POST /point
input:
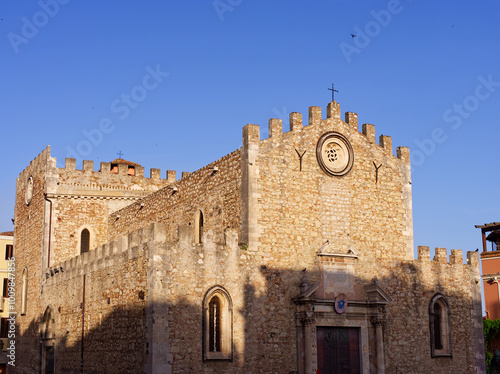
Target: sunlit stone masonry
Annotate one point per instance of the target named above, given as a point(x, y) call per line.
point(292, 254)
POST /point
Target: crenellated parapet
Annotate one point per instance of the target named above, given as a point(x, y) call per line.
point(150, 242)
point(122, 249)
point(71, 181)
point(333, 116)
point(108, 178)
point(40, 159)
point(455, 259)
point(106, 169)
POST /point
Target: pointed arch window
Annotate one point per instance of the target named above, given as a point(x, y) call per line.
point(217, 325)
point(214, 326)
point(198, 227)
point(440, 326)
point(24, 292)
point(84, 241)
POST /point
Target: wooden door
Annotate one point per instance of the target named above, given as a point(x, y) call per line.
point(338, 350)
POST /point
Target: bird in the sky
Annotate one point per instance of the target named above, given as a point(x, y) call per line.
point(352, 35)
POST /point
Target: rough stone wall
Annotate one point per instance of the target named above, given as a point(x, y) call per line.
point(263, 333)
point(126, 334)
point(180, 273)
point(28, 243)
point(215, 192)
point(70, 216)
point(406, 322)
point(113, 307)
point(85, 198)
point(411, 286)
point(354, 211)
point(296, 208)
point(176, 297)
point(77, 197)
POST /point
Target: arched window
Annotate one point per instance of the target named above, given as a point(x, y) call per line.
point(24, 292)
point(85, 241)
point(438, 343)
point(48, 325)
point(217, 325)
point(214, 326)
point(440, 326)
point(198, 227)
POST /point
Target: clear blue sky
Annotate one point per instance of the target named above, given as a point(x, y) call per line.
point(425, 72)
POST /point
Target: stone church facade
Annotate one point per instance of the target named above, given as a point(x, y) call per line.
point(292, 254)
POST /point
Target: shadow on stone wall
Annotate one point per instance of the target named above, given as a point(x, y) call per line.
point(265, 328)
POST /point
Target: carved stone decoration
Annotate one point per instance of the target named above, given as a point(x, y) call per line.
point(28, 193)
point(377, 321)
point(334, 154)
point(376, 171)
point(300, 157)
point(307, 320)
point(341, 303)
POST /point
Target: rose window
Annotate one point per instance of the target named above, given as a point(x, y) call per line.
point(331, 153)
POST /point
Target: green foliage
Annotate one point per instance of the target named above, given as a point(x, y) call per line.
point(491, 327)
point(488, 358)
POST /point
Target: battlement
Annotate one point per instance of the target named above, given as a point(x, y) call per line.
point(42, 155)
point(110, 177)
point(333, 114)
point(123, 170)
point(106, 169)
point(441, 256)
point(117, 251)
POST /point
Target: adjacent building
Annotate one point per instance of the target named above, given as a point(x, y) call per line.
point(6, 254)
point(490, 261)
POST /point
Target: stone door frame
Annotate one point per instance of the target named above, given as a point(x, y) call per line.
point(367, 315)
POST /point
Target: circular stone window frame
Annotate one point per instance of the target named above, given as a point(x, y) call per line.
point(338, 138)
point(28, 193)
